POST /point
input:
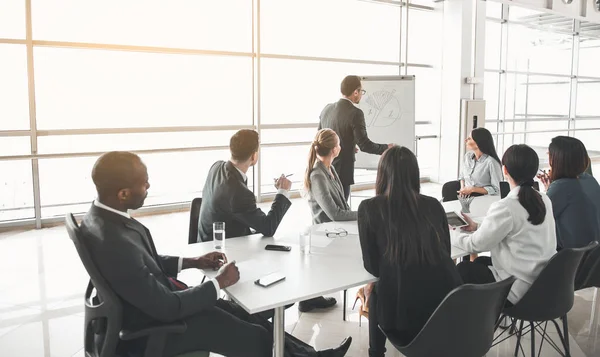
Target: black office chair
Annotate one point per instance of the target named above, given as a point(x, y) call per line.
point(550, 297)
point(450, 191)
point(104, 313)
point(194, 216)
point(588, 274)
point(476, 308)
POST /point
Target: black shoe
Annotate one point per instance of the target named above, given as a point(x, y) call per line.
point(339, 351)
point(316, 303)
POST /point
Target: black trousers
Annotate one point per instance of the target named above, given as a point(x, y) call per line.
point(229, 330)
point(477, 271)
point(346, 191)
point(376, 337)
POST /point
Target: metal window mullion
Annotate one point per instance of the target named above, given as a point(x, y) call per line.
point(258, 172)
point(35, 169)
point(502, 85)
point(404, 9)
point(526, 117)
point(574, 80)
point(541, 74)
point(514, 106)
point(11, 41)
point(254, 92)
point(400, 64)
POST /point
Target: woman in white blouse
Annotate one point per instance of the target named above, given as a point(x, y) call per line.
point(481, 170)
point(518, 230)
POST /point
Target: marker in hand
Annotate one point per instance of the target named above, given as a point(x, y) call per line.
point(286, 176)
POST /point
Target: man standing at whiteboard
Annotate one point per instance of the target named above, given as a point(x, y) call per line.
point(348, 121)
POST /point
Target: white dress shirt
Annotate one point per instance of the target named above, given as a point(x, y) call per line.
point(280, 191)
point(484, 172)
point(99, 204)
point(518, 248)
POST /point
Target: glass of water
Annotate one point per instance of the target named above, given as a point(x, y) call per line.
point(219, 235)
point(305, 240)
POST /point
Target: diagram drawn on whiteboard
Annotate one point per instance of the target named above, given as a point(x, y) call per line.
point(381, 109)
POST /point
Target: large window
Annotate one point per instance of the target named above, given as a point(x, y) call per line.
point(174, 81)
point(115, 89)
point(14, 102)
point(531, 71)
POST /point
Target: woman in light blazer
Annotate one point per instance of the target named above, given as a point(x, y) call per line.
point(324, 188)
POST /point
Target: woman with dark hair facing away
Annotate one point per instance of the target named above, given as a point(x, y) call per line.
point(481, 171)
point(322, 183)
point(575, 195)
point(405, 242)
point(518, 230)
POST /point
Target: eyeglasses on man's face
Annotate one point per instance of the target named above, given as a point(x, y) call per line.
point(363, 92)
point(339, 232)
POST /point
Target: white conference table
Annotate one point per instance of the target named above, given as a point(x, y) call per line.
point(326, 270)
point(334, 264)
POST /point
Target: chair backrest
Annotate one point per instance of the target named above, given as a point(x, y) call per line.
point(551, 295)
point(473, 310)
point(449, 191)
point(194, 217)
point(588, 274)
point(103, 312)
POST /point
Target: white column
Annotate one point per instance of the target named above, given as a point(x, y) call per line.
point(463, 56)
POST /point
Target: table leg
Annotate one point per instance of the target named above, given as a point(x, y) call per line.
point(345, 301)
point(279, 331)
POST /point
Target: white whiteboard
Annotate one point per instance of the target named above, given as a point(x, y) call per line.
point(389, 107)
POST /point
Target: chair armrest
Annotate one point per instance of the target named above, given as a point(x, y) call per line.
point(128, 335)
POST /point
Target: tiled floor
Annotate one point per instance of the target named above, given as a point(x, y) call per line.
point(42, 285)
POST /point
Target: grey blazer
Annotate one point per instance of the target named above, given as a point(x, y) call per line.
point(326, 196)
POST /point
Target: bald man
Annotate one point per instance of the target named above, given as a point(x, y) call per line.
point(124, 253)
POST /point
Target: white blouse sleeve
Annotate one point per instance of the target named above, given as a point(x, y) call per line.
point(494, 229)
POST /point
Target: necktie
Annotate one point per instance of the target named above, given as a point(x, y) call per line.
point(178, 284)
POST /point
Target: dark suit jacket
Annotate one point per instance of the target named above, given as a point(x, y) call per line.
point(226, 198)
point(348, 122)
point(125, 255)
point(406, 296)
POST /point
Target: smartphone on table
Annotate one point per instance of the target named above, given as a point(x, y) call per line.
point(270, 279)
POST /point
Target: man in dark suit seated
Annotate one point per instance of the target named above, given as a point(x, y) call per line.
point(348, 122)
point(226, 198)
point(124, 252)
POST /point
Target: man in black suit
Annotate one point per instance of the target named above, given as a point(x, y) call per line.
point(226, 198)
point(348, 122)
point(124, 252)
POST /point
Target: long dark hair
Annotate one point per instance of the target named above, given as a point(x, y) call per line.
point(485, 142)
point(522, 164)
point(411, 236)
point(568, 157)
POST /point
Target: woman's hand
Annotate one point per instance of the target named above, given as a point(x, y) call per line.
point(544, 179)
point(466, 191)
point(472, 226)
